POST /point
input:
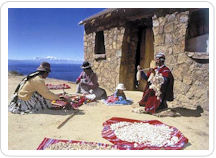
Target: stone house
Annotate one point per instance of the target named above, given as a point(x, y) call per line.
point(117, 40)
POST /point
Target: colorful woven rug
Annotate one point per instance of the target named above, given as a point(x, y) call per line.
point(74, 102)
point(57, 144)
point(112, 100)
point(130, 134)
point(58, 86)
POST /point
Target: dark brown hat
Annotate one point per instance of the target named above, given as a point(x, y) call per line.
point(44, 66)
point(86, 65)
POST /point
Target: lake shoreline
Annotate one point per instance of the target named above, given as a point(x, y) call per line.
point(61, 71)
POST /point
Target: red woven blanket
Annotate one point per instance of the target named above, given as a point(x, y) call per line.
point(110, 135)
point(75, 102)
point(49, 141)
point(58, 86)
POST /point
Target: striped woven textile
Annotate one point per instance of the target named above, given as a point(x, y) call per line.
point(58, 86)
point(110, 135)
point(49, 141)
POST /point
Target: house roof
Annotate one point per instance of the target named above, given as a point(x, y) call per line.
point(113, 17)
point(118, 12)
point(97, 15)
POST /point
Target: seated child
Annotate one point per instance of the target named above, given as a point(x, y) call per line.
point(120, 91)
point(119, 96)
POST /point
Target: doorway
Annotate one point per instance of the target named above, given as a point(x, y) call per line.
point(144, 53)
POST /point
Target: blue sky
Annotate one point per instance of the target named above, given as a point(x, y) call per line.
point(42, 32)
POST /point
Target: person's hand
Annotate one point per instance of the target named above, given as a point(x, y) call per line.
point(151, 70)
point(77, 81)
point(139, 68)
point(63, 98)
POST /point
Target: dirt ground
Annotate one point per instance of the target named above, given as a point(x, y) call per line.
point(25, 132)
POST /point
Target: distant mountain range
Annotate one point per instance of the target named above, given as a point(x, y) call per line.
point(50, 59)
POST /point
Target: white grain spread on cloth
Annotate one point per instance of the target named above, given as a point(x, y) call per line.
point(145, 133)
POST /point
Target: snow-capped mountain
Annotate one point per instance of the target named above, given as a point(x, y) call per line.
point(56, 60)
point(45, 58)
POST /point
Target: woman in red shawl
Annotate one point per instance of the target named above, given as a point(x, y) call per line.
point(152, 100)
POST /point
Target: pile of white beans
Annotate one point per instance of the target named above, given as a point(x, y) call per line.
point(78, 146)
point(144, 133)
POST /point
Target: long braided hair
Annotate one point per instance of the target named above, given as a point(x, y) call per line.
point(28, 77)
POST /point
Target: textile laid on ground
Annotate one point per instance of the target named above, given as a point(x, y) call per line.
point(55, 144)
point(75, 101)
point(58, 86)
point(112, 100)
point(130, 134)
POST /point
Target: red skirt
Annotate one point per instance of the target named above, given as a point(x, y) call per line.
point(150, 101)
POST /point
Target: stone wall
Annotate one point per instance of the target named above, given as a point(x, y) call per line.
point(191, 88)
point(107, 69)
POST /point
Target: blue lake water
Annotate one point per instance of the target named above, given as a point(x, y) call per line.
point(67, 72)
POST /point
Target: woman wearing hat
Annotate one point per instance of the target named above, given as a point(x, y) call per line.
point(31, 94)
point(88, 82)
point(153, 100)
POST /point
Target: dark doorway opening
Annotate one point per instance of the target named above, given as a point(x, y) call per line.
point(141, 31)
point(144, 53)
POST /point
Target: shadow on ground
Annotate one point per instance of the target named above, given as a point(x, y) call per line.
point(188, 112)
point(61, 112)
point(179, 111)
point(187, 145)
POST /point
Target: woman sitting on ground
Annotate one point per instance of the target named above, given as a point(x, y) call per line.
point(87, 83)
point(32, 95)
point(159, 88)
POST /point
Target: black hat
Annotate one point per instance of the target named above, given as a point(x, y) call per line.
point(86, 65)
point(44, 66)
